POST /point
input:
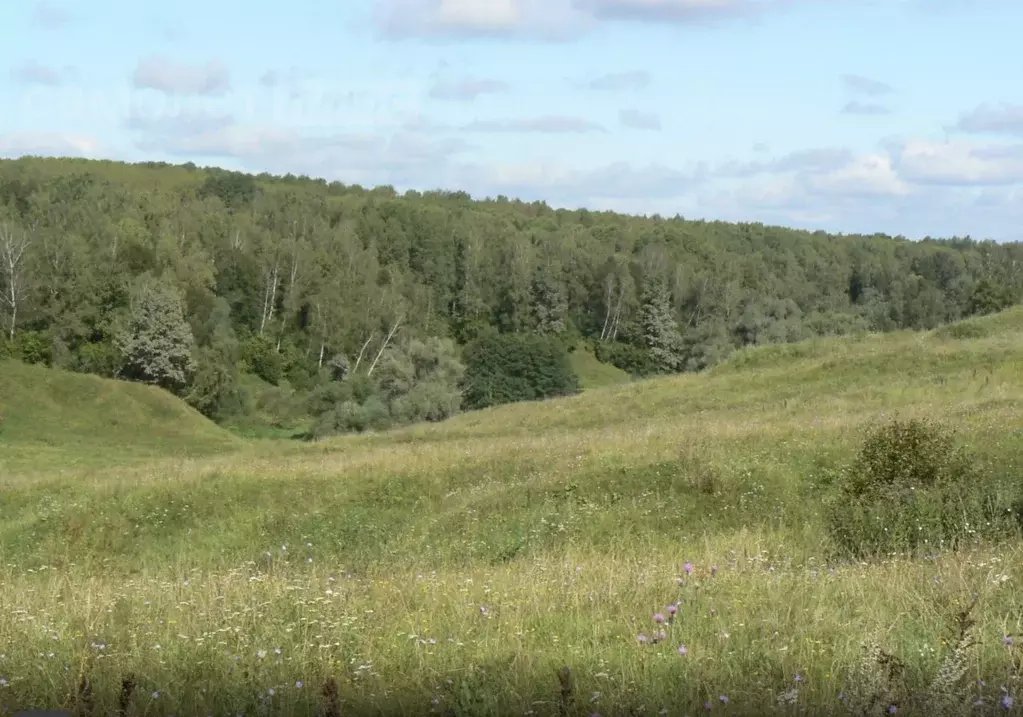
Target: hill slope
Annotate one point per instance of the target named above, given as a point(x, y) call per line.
point(463, 563)
point(50, 415)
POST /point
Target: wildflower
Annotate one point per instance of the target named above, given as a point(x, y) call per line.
point(643, 639)
point(672, 609)
point(683, 650)
point(261, 654)
point(1007, 701)
point(1007, 640)
point(658, 618)
point(707, 705)
point(660, 635)
point(271, 692)
point(714, 570)
point(156, 695)
point(892, 709)
point(484, 610)
point(724, 699)
point(299, 684)
point(688, 567)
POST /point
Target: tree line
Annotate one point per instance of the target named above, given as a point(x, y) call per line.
point(384, 307)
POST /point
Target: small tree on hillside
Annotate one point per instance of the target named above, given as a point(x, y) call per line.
point(157, 342)
point(660, 330)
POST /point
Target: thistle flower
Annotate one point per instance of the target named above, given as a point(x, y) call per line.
point(688, 567)
point(1007, 701)
point(672, 609)
point(658, 618)
point(683, 650)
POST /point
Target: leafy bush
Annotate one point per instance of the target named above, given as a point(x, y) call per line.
point(912, 488)
point(261, 358)
point(345, 407)
point(33, 347)
point(639, 362)
point(102, 359)
point(503, 368)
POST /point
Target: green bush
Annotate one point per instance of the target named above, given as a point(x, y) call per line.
point(635, 360)
point(102, 359)
point(503, 368)
point(34, 347)
point(262, 358)
point(913, 489)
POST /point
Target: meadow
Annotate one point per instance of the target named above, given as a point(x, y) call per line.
point(664, 540)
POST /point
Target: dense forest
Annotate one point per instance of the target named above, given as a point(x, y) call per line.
point(378, 308)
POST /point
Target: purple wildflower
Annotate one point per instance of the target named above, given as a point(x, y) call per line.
point(688, 567)
point(658, 618)
point(707, 705)
point(724, 699)
point(1007, 640)
point(660, 635)
point(643, 639)
point(892, 709)
point(683, 650)
point(299, 684)
point(672, 609)
point(1007, 701)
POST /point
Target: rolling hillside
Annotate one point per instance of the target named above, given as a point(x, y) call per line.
point(50, 416)
point(460, 565)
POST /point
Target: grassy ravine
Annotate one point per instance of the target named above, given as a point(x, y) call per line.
point(456, 568)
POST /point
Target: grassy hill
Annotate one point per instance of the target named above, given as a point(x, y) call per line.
point(458, 566)
point(54, 418)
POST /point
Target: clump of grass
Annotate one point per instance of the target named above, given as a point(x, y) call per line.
point(911, 488)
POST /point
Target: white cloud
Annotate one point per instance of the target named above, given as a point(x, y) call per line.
point(865, 108)
point(553, 124)
point(176, 78)
point(60, 144)
point(615, 81)
point(991, 119)
point(634, 119)
point(34, 73)
point(466, 88)
point(960, 163)
point(866, 86)
point(871, 175)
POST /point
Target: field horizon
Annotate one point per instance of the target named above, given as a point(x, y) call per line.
point(665, 539)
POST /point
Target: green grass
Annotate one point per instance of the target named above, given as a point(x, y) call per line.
point(593, 373)
point(51, 419)
point(370, 558)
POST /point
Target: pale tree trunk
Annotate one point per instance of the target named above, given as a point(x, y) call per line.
point(362, 351)
point(12, 253)
point(270, 296)
point(383, 346)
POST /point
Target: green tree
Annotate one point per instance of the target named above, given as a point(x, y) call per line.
point(503, 368)
point(157, 342)
point(660, 329)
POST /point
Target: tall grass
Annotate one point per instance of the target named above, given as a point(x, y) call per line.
point(458, 568)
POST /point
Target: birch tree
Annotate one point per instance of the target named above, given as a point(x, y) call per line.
point(14, 242)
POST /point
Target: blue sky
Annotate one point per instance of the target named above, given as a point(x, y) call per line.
point(895, 116)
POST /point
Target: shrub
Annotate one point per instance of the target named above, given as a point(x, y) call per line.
point(637, 361)
point(34, 347)
point(503, 368)
point(912, 488)
point(261, 358)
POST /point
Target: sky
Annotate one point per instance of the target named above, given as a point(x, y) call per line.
point(856, 116)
